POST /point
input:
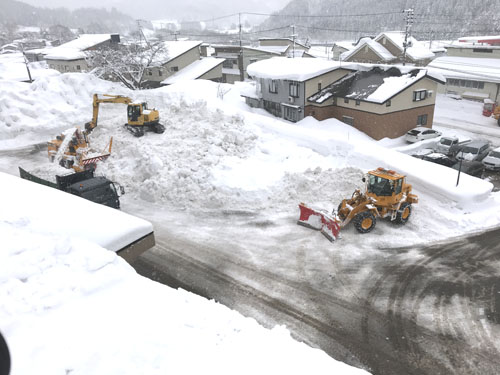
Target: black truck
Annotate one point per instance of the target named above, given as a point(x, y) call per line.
point(84, 184)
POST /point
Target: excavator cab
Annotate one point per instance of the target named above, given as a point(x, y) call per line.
point(134, 112)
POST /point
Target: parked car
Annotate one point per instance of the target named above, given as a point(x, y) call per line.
point(473, 151)
point(446, 143)
point(473, 168)
point(419, 154)
point(492, 160)
point(440, 159)
point(420, 133)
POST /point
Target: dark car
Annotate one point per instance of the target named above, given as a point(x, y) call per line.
point(440, 159)
point(473, 168)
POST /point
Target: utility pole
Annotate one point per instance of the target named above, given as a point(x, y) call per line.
point(409, 17)
point(240, 57)
point(175, 35)
point(26, 63)
point(293, 38)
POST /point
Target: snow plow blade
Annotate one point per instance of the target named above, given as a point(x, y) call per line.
point(320, 220)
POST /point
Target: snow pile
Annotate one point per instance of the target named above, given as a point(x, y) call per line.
point(69, 306)
point(13, 67)
point(38, 111)
point(33, 206)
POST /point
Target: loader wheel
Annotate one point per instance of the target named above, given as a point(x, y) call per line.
point(403, 214)
point(364, 222)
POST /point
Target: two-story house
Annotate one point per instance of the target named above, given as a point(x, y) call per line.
point(284, 84)
point(70, 57)
point(388, 47)
point(381, 101)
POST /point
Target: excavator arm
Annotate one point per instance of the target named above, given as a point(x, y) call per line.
point(89, 126)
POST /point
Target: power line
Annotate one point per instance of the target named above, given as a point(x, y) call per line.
point(321, 15)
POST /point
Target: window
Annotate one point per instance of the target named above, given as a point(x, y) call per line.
point(252, 61)
point(422, 120)
point(482, 50)
point(319, 86)
point(227, 64)
point(174, 69)
point(273, 87)
point(160, 73)
point(334, 101)
point(150, 73)
point(290, 113)
point(358, 102)
point(465, 83)
point(294, 89)
point(388, 103)
point(273, 108)
point(346, 100)
point(419, 95)
point(348, 120)
point(78, 67)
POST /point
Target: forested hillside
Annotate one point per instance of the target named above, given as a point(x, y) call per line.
point(88, 19)
point(340, 19)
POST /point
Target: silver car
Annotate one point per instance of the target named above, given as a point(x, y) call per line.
point(474, 151)
point(492, 160)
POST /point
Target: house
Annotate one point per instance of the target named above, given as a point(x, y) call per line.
point(177, 56)
point(238, 58)
point(368, 51)
point(209, 68)
point(469, 77)
point(475, 47)
point(339, 48)
point(70, 57)
point(389, 47)
point(283, 84)
point(381, 101)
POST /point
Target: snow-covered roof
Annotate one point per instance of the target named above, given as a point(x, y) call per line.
point(376, 85)
point(467, 67)
point(378, 48)
point(283, 39)
point(417, 51)
point(300, 69)
point(74, 49)
point(194, 70)
point(175, 49)
point(277, 50)
point(348, 45)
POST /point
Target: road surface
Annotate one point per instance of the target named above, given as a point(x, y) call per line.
point(438, 314)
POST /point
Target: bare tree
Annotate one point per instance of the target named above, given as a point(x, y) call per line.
point(126, 63)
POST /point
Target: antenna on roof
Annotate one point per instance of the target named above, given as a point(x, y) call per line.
point(141, 32)
point(409, 14)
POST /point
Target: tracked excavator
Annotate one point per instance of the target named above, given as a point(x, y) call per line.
point(140, 118)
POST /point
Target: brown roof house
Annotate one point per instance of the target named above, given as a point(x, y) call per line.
point(381, 101)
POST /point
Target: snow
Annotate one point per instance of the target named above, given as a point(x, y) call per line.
point(417, 51)
point(300, 69)
point(217, 155)
point(393, 85)
point(13, 68)
point(74, 49)
point(194, 70)
point(53, 212)
point(380, 50)
point(277, 50)
point(70, 306)
point(467, 67)
point(174, 49)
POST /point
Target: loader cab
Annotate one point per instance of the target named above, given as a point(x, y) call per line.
point(384, 185)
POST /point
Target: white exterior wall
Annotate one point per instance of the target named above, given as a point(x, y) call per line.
point(469, 52)
point(66, 66)
point(159, 74)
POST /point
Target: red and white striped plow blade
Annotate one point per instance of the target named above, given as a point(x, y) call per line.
point(320, 220)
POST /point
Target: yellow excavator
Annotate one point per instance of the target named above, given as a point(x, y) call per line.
point(140, 118)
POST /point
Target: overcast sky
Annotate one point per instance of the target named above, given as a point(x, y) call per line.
point(168, 9)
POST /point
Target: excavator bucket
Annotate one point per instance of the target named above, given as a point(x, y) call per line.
point(320, 220)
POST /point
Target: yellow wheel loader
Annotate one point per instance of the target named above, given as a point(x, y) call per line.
point(139, 117)
point(386, 195)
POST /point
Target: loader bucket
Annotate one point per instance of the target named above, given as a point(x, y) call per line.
point(320, 220)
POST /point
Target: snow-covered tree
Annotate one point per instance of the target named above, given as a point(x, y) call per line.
point(126, 63)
